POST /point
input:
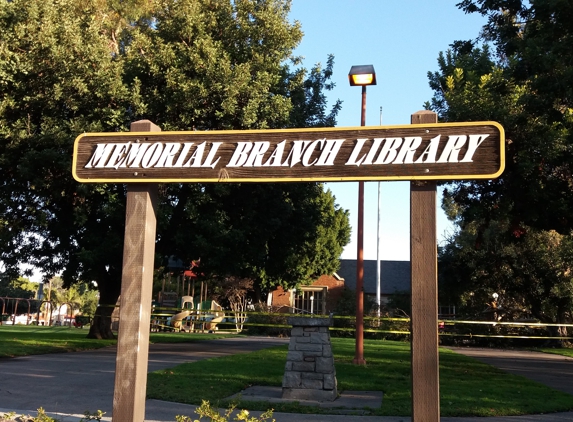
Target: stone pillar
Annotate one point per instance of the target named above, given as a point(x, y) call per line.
point(309, 371)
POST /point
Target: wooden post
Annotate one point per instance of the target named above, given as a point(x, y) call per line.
point(136, 296)
point(423, 260)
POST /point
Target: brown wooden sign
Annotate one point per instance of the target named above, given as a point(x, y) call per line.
point(435, 151)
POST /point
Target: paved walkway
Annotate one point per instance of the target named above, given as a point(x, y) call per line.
point(70, 383)
point(75, 382)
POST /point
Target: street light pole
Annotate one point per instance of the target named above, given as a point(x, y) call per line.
point(361, 76)
point(359, 352)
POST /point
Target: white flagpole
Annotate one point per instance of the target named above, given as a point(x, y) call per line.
point(378, 243)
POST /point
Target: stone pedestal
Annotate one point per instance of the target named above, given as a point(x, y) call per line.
point(309, 371)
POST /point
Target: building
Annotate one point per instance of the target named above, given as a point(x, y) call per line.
point(319, 297)
point(322, 296)
point(394, 277)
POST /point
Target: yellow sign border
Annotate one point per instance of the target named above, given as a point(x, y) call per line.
point(294, 179)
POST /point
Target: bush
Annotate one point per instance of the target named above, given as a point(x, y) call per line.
point(207, 411)
point(269, 321)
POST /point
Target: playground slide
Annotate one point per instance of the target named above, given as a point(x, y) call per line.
point(210, 320)
point(213, 323)
point(177, 319)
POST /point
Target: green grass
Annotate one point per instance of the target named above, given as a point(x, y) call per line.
point(562, 352)
point(467, 387)
point(471, 387)
point(22, 340)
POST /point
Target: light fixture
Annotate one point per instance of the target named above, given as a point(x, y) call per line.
point(362, 75)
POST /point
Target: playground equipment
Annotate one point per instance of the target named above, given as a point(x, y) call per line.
point(210, 314)
point(200, 316)
point(192, 316)
point(190, 313)
point(177, 319)
point(10, 313)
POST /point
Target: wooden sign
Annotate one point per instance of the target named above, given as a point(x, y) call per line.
point(434, 151)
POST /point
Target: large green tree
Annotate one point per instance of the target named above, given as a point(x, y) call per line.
point(195, 75)
point(68, 67)
point(525, 81)
point(531, 274)
point(22, 287)
point(521, 75)
point(284, 234)
point(58, 78)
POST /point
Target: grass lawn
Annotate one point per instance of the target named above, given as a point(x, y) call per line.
point(22, 340)
point(562, 352)
point(467, 387)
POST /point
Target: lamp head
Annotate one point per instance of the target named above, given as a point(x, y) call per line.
point(362, 75)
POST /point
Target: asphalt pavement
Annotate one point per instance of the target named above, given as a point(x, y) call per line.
point(68, 384)
point(555, 371)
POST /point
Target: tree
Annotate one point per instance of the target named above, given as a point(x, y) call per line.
point(69, 67)
point(89, 299)
point(274, 235)
point(309, 100)
point(58, 79)
point(527, 87)
point(22, 287)
point(514, 231)
point(77, 298)
point(531, 275)
point(262, 232)
point(235, 292)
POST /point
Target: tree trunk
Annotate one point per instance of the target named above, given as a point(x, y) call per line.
point(556, 331)
point(109, 291)
point(101, 324)
point(257, 294)
point(562, 330)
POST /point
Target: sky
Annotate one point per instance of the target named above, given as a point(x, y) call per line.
point(402, 40)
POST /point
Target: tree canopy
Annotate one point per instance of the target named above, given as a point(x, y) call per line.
point(514, 230)
point(20, 288)
point(69, 67)
point(525, 83)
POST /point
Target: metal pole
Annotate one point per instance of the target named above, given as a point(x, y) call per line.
point(50, 302)
point(378, 255)
point(378, 271)
point(359, 353)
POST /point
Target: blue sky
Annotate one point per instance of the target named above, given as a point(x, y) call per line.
point(402, 39)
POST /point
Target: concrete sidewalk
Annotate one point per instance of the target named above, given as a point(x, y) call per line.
point(68, 384)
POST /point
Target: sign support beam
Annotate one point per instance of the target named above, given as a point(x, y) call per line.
point(136, 295)
point(424, 318)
